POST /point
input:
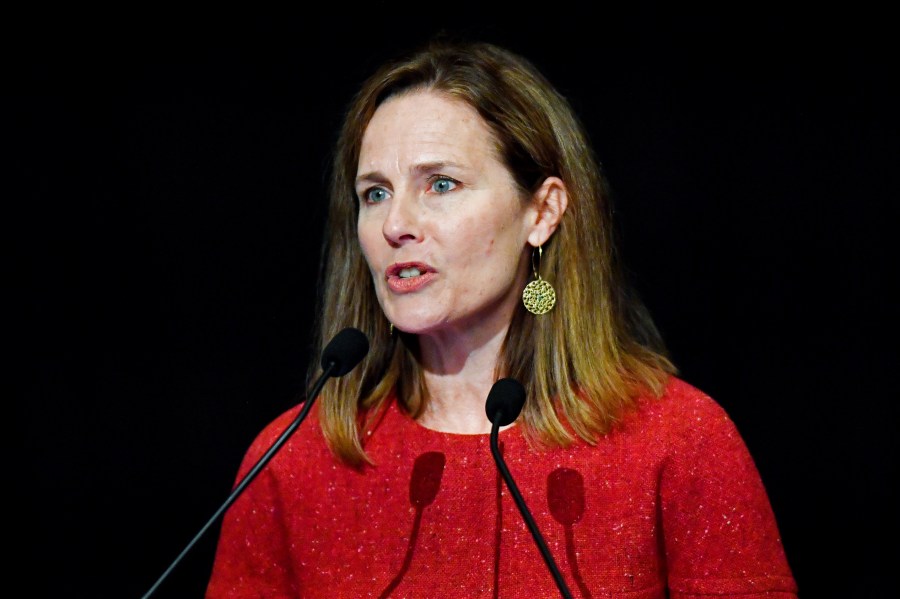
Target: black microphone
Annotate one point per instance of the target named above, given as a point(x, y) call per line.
point(340, 356)
point(504, 403)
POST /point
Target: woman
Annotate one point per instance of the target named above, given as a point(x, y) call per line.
point(463, 183)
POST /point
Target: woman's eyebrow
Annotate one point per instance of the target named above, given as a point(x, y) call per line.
point(417, 169)
point(373, 176)
point(437, 165)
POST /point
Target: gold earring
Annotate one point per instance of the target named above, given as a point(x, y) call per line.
point(392, 329)
point(539, 296)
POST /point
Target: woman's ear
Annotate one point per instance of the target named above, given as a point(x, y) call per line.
point(549, 203)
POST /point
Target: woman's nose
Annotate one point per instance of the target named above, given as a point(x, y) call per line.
point(402, 224)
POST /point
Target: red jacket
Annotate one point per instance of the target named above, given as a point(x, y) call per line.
point(670, 502)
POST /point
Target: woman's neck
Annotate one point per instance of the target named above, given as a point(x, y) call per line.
point(459, 371)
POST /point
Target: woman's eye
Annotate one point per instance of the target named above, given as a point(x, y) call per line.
point(443, 184)
point(375, 195)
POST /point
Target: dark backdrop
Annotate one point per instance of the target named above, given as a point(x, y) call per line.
point(167, 207)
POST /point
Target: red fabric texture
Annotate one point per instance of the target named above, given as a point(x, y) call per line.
point(668, 505)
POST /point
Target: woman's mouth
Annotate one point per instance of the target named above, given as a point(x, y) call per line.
point(407, 277)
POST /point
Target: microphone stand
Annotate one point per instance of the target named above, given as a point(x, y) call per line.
point(310, 399)
point(520, 503)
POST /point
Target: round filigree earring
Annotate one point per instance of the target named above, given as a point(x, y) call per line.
point(539, 296)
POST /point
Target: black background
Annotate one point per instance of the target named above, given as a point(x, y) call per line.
point(166, 209)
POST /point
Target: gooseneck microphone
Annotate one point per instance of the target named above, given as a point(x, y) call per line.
point(504, 403)
point(340, 356)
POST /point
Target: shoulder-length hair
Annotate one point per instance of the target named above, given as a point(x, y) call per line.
point(583, 363)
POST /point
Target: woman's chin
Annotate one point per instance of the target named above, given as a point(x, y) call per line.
point(421, 325)
point(413, 328)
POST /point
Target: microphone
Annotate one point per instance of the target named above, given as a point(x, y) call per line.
point(340, 356)
point(504, 404)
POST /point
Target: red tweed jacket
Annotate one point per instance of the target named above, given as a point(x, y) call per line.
point(668, 505)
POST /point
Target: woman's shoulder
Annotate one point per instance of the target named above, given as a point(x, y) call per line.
point(683, 427)
point(677, 393)
point(305, 434)
point(680, 407)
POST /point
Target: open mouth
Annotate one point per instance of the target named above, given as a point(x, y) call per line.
point(408, 270)
point(406, 277)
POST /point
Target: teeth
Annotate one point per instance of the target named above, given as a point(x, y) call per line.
point(409, 272)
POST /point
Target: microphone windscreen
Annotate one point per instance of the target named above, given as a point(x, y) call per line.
point(505, 401)
point(345, 351)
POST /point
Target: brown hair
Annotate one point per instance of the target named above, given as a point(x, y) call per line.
point(582, 363)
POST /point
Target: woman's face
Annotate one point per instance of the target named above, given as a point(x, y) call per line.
point(442, 225)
